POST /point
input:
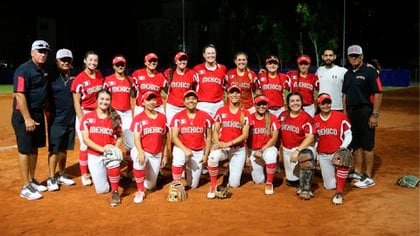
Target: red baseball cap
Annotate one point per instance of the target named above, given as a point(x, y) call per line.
point(118, 59)
point(261, 98)
point(179, 55)
point(148, 95)
point(232, 87)
point(150, 56)
point(190, 93)
point(322, 97)
point(304, 58)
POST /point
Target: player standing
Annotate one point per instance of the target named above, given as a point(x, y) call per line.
point(149, 153)
point(101, 130)
point(85, 88)
point(333, 131)
point(231, 130)
point(191, 134)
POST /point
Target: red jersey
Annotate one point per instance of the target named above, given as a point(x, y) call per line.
point(246, 82)
point(273, 88)
point(330, 132)
point(293, 130)
point(257, 136)
point(151, 131)
point(120, 90)
point(192, 132)
point(146, 83)
point(178, 86)
point(305, 85)
point(230, 124)
point(100, 130)
point(88, 88)
point(210, 83)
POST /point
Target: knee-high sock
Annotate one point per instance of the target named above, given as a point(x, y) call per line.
point(114, 177)
point(270, 169)
point(177, 172)
point(213, 172)
point(341, 176)
point(139, 175)
point(83, 163)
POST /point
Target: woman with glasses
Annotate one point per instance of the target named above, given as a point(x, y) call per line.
point(272, 84)
point(264, 132)
point(123, 93)
point(149, 79)
point(305, 83)
point(231, 130)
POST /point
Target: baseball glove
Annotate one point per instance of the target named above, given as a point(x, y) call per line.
point(112, 157)
point(306, 161)
point(176, 192)
point(409, 181)
point(342, 157)
point(222, 192)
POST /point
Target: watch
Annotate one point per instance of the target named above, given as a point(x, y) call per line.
point(375, 114)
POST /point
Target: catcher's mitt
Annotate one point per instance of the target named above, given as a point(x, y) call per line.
point(112, 157)
point(343, 157)
point(176, 192)
point(306, 161)
point(409, 181)
point(222, 192)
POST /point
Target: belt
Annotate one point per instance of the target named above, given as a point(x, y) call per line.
point(305, 105)
point(275, 108)
point(323, 153)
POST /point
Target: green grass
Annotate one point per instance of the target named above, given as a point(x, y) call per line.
point(6, 88)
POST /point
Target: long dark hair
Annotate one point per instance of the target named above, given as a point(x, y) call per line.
point(288, 99)
point(113, 114)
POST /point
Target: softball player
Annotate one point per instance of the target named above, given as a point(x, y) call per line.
point(85, 88)
point(264, 132)
point(272, 84)
point(333, 131)
point(149, 79)
point(122, 89)
point(305, 83)
point(231, 129)
point(191, 134)
point(210, 77)
point(150, 132)
point(297, 133)
point(101, 130)
point(245, 78)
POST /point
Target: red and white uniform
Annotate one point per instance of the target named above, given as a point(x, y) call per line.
point(257, 139)
point(306, 86)
point(332, 133)
point(192, 133)
point(273, 89)
point(246, 82)
point(176, 89)
point(121, 102)
point(100, 132)
point(293, 132)
point(230, 128)
point(152, 131)
point(146, 83)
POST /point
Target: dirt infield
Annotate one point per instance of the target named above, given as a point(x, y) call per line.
point(385, 209)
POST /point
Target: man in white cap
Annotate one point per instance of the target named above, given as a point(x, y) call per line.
point(29, 95)
point(362, 98)
point(61, 119)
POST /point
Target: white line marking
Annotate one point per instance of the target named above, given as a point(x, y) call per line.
point(7, 147)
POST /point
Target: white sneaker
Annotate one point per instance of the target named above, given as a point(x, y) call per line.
point(37, 186)
point(30, 193)
point(139, 197)
point(52, 184)
point(269, 189)
point(212, 193)
point(365, 182)
point(65, 180)
point(337, 199)
point(86, 181)
point(355, 176)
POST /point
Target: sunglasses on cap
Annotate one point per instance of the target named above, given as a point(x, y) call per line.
point(153, 60)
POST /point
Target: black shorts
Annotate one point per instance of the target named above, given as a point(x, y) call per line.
point(61, 137)
point(27, 141)
point(363, 135)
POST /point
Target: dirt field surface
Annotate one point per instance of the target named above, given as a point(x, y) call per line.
point(385, 209)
